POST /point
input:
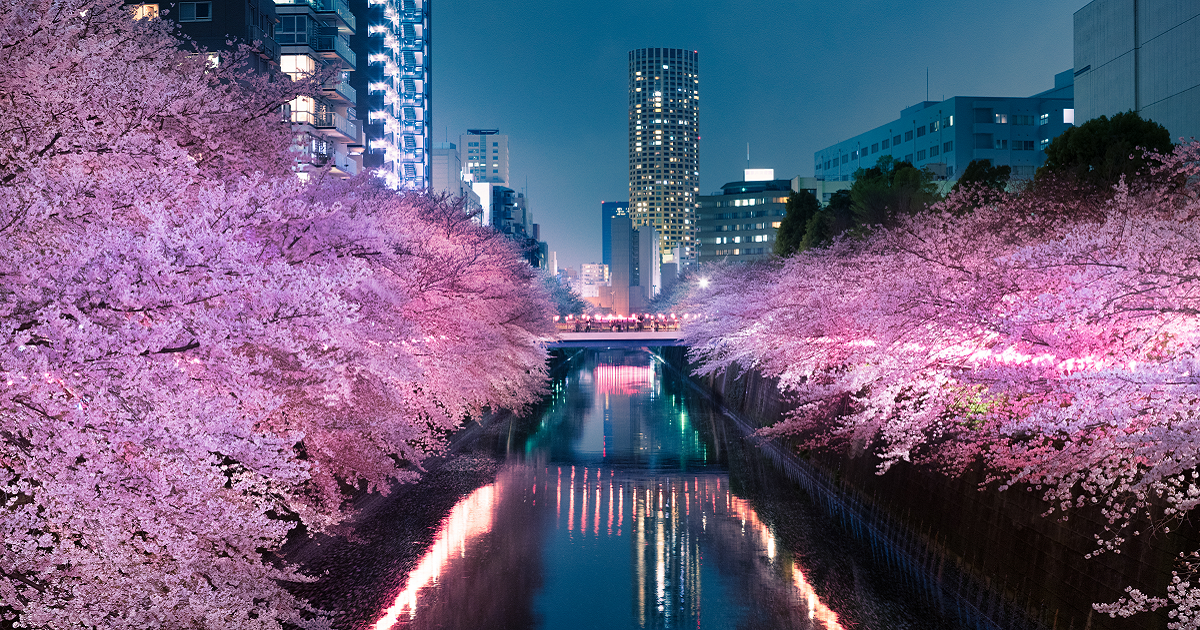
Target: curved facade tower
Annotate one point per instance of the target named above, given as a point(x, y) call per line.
point(664, 145)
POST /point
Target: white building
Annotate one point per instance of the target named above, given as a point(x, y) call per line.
point(484, 155)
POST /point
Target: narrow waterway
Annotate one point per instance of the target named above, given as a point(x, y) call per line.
point(627, 501)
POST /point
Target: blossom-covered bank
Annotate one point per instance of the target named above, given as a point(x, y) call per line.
point(198, 351)
point(1048, 337)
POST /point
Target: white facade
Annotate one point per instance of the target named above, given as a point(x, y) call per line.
point(485, 157)
point(1141, 56)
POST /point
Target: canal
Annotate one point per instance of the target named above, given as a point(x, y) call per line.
point(625, 501)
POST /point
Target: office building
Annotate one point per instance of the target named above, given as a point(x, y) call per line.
point(1141, 57)
point(608, 210)
point(634, 275)
point(394, 81)
point(664, 145)
point(739, 222)
point(484, 155)
point(945, 136)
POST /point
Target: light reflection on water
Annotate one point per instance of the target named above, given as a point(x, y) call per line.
point(613, 515)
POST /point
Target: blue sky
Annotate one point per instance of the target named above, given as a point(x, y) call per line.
point(789, 77)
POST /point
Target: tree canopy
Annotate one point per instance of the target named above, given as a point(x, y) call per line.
point(801, 208)
point(200, 352)
point(982, 173)
point(1054, 347)
point(890, 190)
point(1102, 150)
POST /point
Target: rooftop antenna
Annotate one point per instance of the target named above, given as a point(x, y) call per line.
point(927, 83)
point(747, 155)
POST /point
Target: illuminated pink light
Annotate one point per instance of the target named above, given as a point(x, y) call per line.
point(472, 517)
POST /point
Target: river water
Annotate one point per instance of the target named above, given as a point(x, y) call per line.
point(629, 502)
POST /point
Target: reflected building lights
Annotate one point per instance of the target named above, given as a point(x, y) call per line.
point(469, 519)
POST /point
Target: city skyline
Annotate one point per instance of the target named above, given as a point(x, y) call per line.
point(563, 99)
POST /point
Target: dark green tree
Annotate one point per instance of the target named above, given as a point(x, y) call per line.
point(801, 208)
point(836, 217)
point(889, 190)
point(1101, 150)
point(981, 172)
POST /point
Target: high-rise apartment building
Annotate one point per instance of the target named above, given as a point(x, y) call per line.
point(314, 34)
point(394, 74)
point(664, 145)
point(484, 155)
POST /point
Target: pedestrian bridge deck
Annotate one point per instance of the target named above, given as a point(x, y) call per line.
point(606, 339)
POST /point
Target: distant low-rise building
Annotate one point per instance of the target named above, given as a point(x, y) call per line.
point(945, 136)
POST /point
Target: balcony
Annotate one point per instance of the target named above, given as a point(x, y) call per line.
point(336, 126)
point(267, 48)
point(338, 8)
point(335, 47)
point(337, 89)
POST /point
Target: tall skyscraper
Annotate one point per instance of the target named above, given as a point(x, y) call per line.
point(664, 145)
point(394, 73)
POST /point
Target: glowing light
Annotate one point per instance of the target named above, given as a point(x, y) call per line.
point(469, 519)
point(704, 283)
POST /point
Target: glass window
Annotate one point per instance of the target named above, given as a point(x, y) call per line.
point(1001, 119)
point(293, 29)
point(933, 126)
point(896, 139)
point(875, 148)
point(948, 146)
point(1001, 144)
point(920, 131)
point(885, 144)
point(920, 155)
point(1044, 119)
point(145, 11)
point(195, 11)
point(933, 150)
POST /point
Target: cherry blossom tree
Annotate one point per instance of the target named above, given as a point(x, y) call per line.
point(1053, 338)
point(198, 351)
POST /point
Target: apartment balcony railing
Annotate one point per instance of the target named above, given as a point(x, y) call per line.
point(341, 9)
point(339, 88)
point(336, 125)
point(338, 45)
point(267, 48)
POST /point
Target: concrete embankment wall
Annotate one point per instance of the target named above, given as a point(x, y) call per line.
point(993, 555)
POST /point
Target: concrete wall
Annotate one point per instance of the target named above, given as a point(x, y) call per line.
point(1143, 56)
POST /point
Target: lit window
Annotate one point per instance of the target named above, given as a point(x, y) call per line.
point(1069, 116)
point(1001, 119)
point(1045, 118)
point(145, 11)
point(195, 11)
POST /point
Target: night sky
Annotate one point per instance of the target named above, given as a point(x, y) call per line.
point(788, 77)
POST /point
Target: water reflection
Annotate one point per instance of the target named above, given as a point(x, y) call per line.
point(614, 514)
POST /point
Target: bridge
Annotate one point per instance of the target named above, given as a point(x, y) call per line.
point(606, 339)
